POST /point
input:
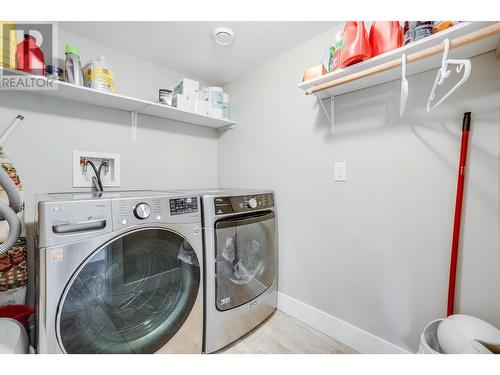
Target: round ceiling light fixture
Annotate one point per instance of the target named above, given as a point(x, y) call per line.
point(223, 36)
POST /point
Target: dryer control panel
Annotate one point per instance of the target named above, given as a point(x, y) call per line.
point(243, 203)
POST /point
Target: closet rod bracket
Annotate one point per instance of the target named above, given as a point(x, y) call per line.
point(330, 117)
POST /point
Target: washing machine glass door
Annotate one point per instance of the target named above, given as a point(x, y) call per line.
point(130, 296)
point(246, 258)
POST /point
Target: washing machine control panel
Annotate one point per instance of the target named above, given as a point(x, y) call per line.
point(244, 203)
point(129, 212)
point(180, 206)
point(66, 218)
point(142, 211)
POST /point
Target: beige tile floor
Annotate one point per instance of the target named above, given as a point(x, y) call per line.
point(282, 334)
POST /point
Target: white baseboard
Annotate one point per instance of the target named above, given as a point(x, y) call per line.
point(357, 338)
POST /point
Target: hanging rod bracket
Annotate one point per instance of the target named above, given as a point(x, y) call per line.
point(330, 117)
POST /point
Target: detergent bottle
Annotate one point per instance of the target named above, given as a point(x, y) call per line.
point(30, 57)
point(356, 46)
point(9, 44)
point(98, 75)
point(73, 66)
point(385, 36)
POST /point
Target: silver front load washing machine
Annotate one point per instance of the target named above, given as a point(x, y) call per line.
point(119, 272)
point(241, 256)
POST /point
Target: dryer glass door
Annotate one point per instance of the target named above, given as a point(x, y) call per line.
point(246, 258)
point(130, 296)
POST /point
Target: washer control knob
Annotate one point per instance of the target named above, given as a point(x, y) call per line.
point(252, 203)
point(142, 211)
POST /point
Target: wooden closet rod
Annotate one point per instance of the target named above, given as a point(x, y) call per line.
point(439, 48)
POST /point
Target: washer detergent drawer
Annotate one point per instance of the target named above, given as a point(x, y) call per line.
point(246, 258)
point(61, 224)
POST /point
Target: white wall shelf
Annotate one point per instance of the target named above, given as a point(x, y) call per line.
point(461, 30)
point(87, 95)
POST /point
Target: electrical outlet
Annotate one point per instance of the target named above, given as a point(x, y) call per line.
point(340, 171)
point(82, 177)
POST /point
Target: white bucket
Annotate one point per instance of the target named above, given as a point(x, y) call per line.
point(429, 343)
point(13, 337)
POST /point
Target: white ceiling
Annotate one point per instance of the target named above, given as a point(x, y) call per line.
point(188, 47)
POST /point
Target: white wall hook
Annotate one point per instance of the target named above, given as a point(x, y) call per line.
point(404, 86)
point(444, 73)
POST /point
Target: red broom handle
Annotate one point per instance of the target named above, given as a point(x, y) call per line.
point(458, 213)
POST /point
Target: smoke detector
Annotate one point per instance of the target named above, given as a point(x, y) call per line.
point(223, 36)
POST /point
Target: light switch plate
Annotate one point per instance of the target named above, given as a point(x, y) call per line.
point(84, 178)
point(340, 171)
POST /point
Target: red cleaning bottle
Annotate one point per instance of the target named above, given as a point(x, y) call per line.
point(30, 57)
point(356, 44)
point(385, 36)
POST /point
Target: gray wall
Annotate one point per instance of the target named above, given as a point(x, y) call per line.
point(167, 154)
point(374, 250)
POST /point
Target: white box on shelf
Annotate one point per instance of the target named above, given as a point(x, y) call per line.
point(184, 103)
point(214, 97)
point(225, 106)
point(187, 87)
point(201, 106)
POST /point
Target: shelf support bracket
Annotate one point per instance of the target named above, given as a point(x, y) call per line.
point(330, 117)
point(134, 115)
